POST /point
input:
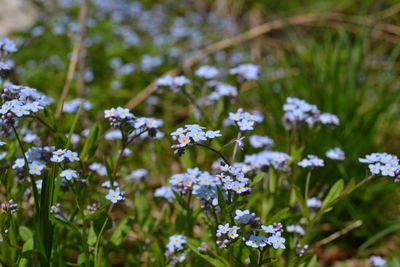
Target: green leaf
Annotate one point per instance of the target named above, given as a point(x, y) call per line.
point(272, 181)
point(221, 200)
point(93, 216)
point(65, 224)
point(91, 237)
point(296, 153)
point(98, 223)
point(309, 263)
point(28, 245)
point(186, 160)
point(214, 261)
point(49, 114)
point(380, 235)
point(302, 203)
point(333, 194)
point(74, 123)
point(258, 178)
point(269, 260)
point(25, 233)
point(122, 229)
point(90, 146)
point(59, 140)
point(181, 200)
point(27, 250)
point(281, 215)
point(348, 188)
point(312, 262)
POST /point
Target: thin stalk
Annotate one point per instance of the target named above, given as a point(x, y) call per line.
point(34, 188)
point(307, 185)
point(260, 258)
point(215, 151)
point(42, 122)
point(369, 178)
point(84, 235)
point(99, 237)
point(236, 147)
point(193, 101)
point(125, 143)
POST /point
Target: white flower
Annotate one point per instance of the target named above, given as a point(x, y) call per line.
point(247, 71)
point(69, 174)
point(36, 168)
point(114, 195)
point(71, 156)
point(20, 111)
point(207, 72)
point(277, 241)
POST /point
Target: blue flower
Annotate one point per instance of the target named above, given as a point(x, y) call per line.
point(243, 216)
point(256, 241)
point(223, 229)
point(277, 241)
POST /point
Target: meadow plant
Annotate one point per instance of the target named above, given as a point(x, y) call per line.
point(104, 186)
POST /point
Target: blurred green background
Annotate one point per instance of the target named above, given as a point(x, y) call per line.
point(348, 67)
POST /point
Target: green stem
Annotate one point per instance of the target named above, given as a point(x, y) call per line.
point(260, 258)
point(307, 185)
point(215, 151)
point(99, 237)
point(42, 122)
point(34, 188)
point(193, 101)
point(236, 147)
point(369, 178)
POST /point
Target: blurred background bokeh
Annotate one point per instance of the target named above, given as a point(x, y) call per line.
point(346, 61)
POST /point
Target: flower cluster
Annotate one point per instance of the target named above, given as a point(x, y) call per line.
point(382, 164)
point(258, 141)
point(329, 119)
point(377, 261)
point(55, 209)
point(266, 159)
point(233, 180)
point(120, 117)
point(69, 174)
point(99, 168)
point(311, 161)
point(298, 112)
point(301, 249)
point(314, 203)
point(10, 207)
point(176, 243)
point(224, 233)
point(246, 72)
point(173, 83)
point(191, 134)
point(207, 72)
point(165, 192)
point(21, 101)
point(230, 180)
point(258, 236)
point(220, 90)
point(183, 182)
point(245, 120)
point(6, 46)
point(5, 70)
point(61, 155)
point(73, 105)
point(137, 175)
point(296, 229)
point(36, 157)
point(335, 154)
